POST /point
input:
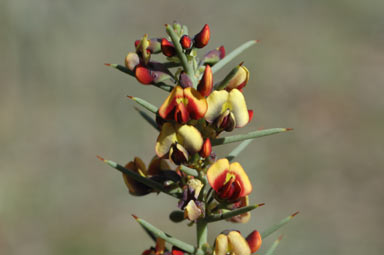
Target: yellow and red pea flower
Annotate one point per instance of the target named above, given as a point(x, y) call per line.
point(138, 166)
point(239, 80)
point(227, 109)
point(178, 142)
point(232, 242)
point(229, 181)
point(182, 105)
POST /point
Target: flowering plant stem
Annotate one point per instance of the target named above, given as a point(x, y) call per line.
point(189, 122)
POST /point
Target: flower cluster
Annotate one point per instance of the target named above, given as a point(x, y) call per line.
point(190, 121)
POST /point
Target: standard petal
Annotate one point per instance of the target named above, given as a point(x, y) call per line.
point(196, 104)
point(166, 138)
point(242, 178)
point(239, 107)
point(217, 173)
point(221, 245)
point(189, 137)
point(216, 100)
point(237, 244)
point(170, 103)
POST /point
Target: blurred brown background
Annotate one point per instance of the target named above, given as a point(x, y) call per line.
point(318, 69)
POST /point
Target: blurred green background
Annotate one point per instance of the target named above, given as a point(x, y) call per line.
point(318, 69)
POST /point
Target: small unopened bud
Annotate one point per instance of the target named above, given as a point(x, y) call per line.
point(131, 60)
point(155, 45)
point(250, 114)
point(202, 38)
point(177, 216)
point(213, 56)
point(254, 241)
point(143, 74)
point(207, 148)
point(186, 42)
point(185, 81)
point(167, 48)
point(206, 83)
point(226, 121)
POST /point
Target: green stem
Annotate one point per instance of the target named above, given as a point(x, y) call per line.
point(202, 233)
point(179, 51)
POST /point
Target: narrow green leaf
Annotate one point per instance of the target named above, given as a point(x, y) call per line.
point(149, 182)
point(232, 55)
point(159, 233)
point(250, 135)
point(148, 118)
point(277, 226)
point(121, 68)
point(233, 154)
point(179, 51)
point(273, 247)
point(189, 171)
point(147, 105)
point(227, 215)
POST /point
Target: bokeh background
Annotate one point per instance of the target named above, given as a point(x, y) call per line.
point(318, 69)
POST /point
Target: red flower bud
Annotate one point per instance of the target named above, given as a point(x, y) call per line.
point(207, 148)
point(167, 48)
point(186, 42)
point(143, 74)
point(206, 82)
point(254, 241)
point(202, 38)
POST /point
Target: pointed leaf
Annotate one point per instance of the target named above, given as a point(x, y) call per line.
point(227, 215)
point(147, 105)
point(250, 135)
point(273, 246)
point(159, 233)
point(232, 55)
point(148, 118)
point(277, 226)
point(233, 154)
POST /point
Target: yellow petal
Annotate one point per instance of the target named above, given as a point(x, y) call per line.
point(221, 245)
point(215, 100)
point(166, 138)
point(239, 107)
point(171, 102)
point(197, 104)
point(237, 244)
point(239, 80)
point(191, 211)
point(189, 137)
point(241, 177)
point(216, 173)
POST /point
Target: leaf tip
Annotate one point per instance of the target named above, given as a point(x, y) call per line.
point(135, 217)
point(279, 238)
point(100, 158)
point(288, 129)
point(261, 204)
point(296, 213)
point(107, 64)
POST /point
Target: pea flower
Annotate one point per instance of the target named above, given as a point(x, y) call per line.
point(183, 104)
point(229, 180)
point(231, 241)
point(154, 171)
point(227, 110)
point(239, 80)
point(178, 142)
